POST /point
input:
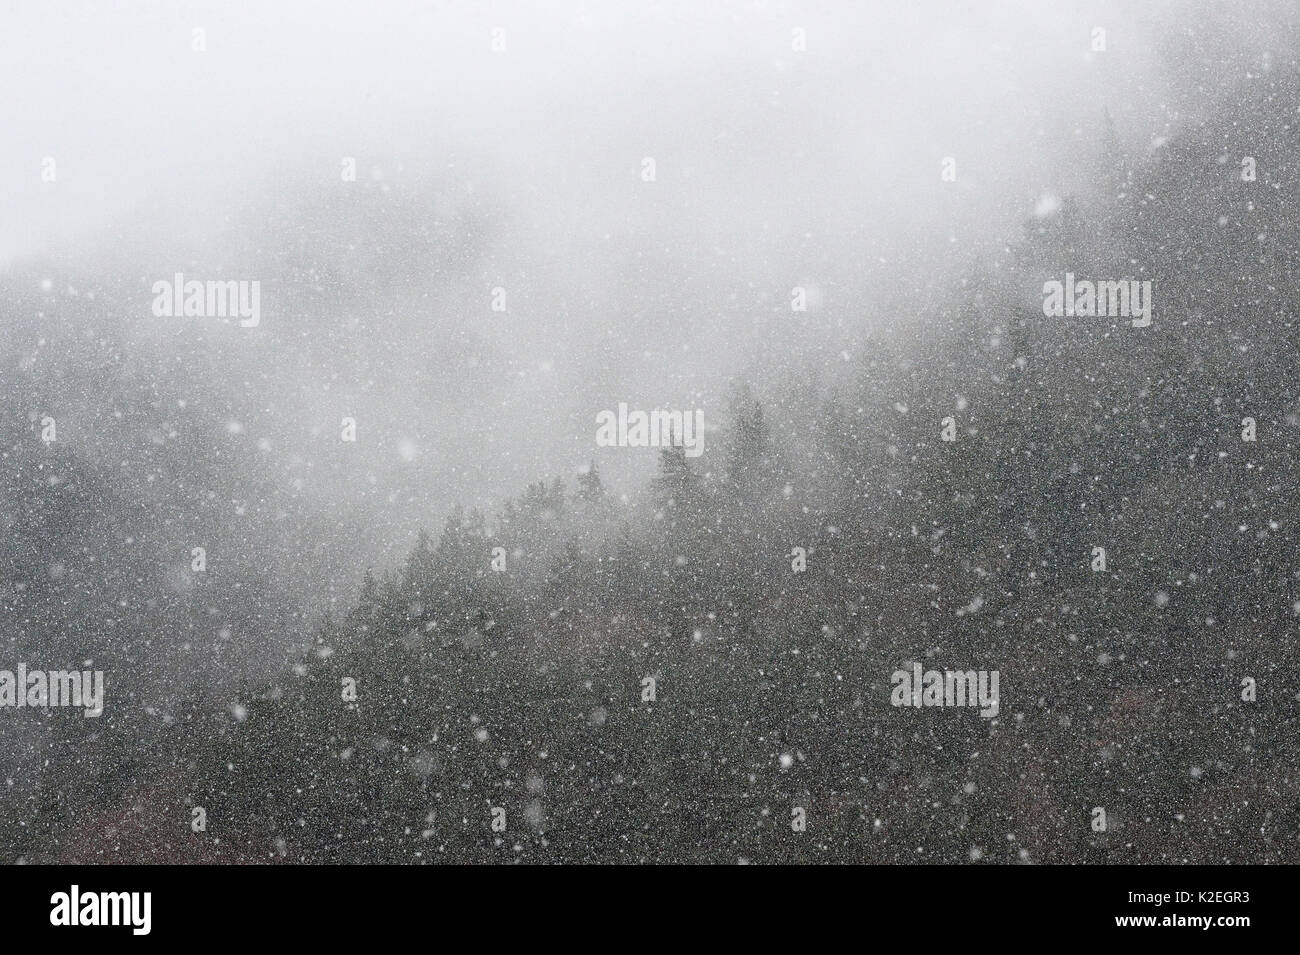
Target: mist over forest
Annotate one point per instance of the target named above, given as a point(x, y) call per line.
point(467, 630)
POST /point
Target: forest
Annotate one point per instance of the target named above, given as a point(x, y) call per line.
point(699, 670)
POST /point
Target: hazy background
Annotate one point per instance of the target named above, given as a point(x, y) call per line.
point(521, 170)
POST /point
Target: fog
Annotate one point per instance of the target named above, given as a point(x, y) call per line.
point(503, 267)
point(774, 169)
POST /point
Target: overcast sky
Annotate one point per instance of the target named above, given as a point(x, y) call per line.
point(713, 91)
point(775, 168)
